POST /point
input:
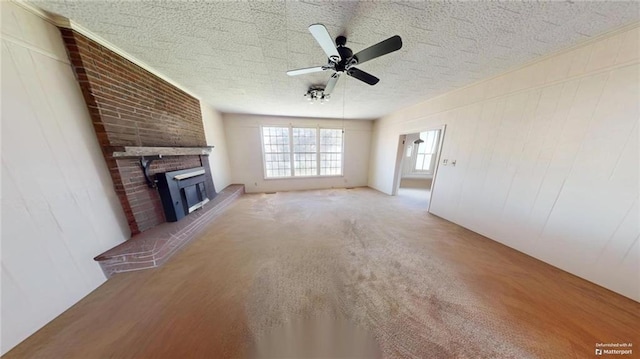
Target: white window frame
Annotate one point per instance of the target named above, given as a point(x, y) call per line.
point(291, 153)
point(414, 156)
point(264, 155)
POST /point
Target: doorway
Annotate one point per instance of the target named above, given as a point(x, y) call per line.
point(417, 164)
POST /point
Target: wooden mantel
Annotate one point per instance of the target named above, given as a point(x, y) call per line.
point(134, 151)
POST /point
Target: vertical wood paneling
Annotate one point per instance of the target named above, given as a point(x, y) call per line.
point(547, 160)
point(59, 209)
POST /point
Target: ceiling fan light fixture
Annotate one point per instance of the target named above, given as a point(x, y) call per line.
point(316, 94)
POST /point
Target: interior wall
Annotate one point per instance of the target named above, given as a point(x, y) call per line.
point(547, 159)
point(219, 157)
point(59, 208)
point(245, 153)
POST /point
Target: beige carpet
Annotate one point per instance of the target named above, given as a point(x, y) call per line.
point(359, 258)
point(339, 273)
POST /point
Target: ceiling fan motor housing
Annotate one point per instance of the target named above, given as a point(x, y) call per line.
point(345, 56)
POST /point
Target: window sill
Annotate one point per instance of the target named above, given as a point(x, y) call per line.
point(301, 177)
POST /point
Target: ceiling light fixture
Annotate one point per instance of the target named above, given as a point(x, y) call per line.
point(316, 94)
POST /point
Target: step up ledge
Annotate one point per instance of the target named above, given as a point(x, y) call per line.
point(152, 248)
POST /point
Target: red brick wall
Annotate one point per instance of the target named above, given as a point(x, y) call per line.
point(130, 106)
point(144, 202)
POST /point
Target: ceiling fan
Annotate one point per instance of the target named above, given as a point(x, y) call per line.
point(342, 59)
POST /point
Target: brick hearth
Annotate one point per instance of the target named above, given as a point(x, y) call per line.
point(154, 247)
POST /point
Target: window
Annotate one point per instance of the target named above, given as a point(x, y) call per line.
point(305, 156)
point(312, 151)
point(426, 152)
point(330, 152)
point(277, 158)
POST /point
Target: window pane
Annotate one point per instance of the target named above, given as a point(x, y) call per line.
point(330, 152)
point(305, 162)
point(419, 161)
point(426, 165)
point(304, 140)
point(428, 138)
point(330, 140)
point(277, 159)
point(331, 164)
point(430, 141)
point(426, 150)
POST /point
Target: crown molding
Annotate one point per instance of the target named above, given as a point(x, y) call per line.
point(61, 21)
point(100, 40)
point(47, 16)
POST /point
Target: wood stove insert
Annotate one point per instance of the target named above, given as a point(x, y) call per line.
point(182, 192)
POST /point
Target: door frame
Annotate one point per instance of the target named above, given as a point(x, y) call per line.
point(397, 174)
point(443, 129)
point(400, 155)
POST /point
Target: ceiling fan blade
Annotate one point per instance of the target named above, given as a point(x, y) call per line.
point(325, 41)
point(391, 44)
point(306, 70)
point(363, 76)
point(332, 83)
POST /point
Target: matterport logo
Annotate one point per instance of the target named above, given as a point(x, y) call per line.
point(614, 348)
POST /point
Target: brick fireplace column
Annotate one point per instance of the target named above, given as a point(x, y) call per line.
point(130, 106)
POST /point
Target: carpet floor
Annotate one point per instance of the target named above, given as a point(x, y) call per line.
point(340, 273)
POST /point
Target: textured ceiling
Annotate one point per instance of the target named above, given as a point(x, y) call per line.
point(235, 54)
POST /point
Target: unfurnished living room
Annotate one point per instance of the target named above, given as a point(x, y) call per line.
point(320, 179)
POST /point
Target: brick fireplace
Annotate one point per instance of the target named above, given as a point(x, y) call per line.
point(131, 107)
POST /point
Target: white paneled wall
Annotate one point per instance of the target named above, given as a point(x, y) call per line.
point(219, 158)
point(547, 159)
point(245, 153)
point(59, 209)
